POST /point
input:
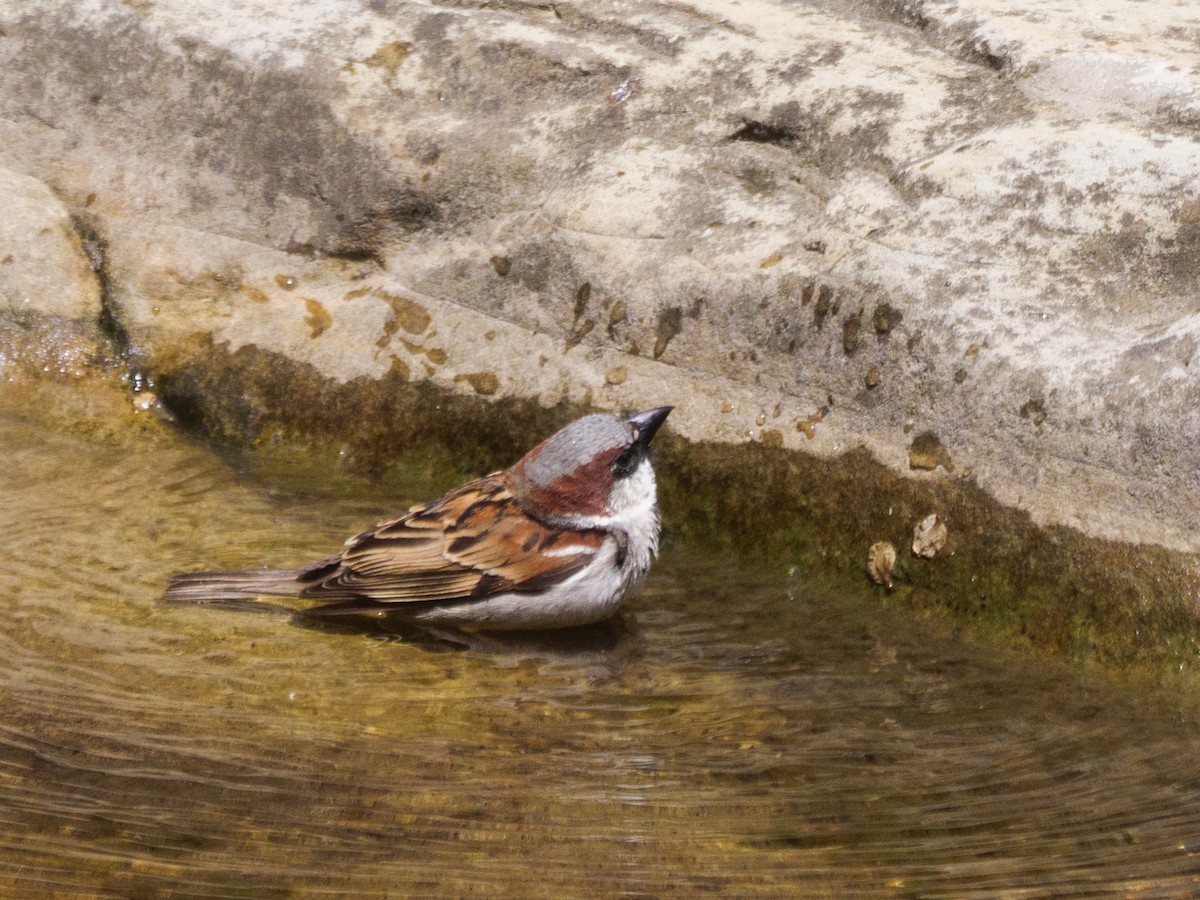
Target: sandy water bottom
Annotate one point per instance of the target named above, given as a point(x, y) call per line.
point(739, 733)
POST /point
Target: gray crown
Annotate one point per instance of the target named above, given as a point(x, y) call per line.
point(578, 444)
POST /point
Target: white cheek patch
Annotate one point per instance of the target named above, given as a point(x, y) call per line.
point(633, 492)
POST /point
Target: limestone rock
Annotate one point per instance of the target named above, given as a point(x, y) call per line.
point(988, 205)
point(44, 267)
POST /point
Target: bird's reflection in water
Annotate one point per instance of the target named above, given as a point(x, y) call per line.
point(581, 641)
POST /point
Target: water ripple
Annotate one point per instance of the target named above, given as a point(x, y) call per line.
point(732, 740)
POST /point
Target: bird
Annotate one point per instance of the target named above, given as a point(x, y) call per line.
point(557, 540)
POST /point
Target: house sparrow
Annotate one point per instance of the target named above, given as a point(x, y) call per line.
point(559, 539)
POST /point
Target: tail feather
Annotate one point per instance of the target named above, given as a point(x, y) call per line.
point(242, 584)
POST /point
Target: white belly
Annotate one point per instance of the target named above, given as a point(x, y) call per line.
point(591, 595)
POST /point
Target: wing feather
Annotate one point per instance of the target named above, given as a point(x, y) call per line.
point(473, 543)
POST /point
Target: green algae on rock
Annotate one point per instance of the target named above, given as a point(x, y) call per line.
point(1094, 600)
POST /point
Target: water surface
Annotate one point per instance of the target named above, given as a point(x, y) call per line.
point(742, 732)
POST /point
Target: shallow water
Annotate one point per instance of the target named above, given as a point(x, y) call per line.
point(741, 733)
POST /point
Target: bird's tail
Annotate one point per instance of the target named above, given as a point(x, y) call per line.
point(242, 584)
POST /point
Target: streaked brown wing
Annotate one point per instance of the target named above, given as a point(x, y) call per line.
point(472, 543)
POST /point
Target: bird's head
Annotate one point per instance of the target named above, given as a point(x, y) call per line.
point(593, 472)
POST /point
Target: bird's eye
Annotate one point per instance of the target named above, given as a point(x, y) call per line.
point(625, 462)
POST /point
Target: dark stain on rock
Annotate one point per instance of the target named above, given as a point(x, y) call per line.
point(906, 14)
point(670, 323)
point(502, 265)
point(851, 326)
point(318, 318)
point(927, 452)
point(885, 318)
point(824, 306)
point(981, 53)
point(398, 369)
point(434, 28)
point(616, 315)
point(808, 426)
point(390, 57)
point(423, 149)
point(1149, 265)
point(254, 294)
point(785, 335)
point(763, 133)
point(785, 125)
point(407, 314)
point(758, 180)
point(365, 236)
point(582, 296)
point(1034, 410)
point(806, 132)
point(793, 73)
point(435, 355)
point(582, 330)
point(545, 266)
point(485, 383)
point(95, 249)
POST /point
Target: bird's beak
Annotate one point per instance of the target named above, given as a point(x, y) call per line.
point(648, 422)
